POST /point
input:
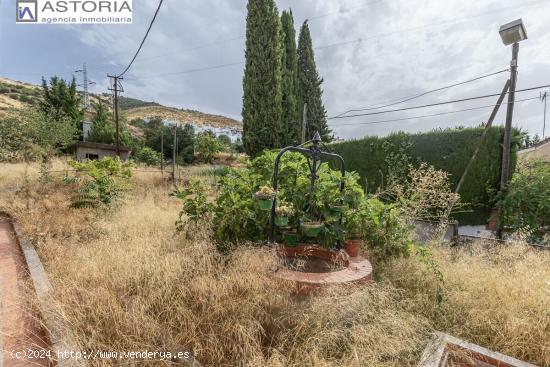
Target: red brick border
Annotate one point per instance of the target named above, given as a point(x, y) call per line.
point(357, 269)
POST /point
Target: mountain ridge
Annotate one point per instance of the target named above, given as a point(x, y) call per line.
point(16, 95)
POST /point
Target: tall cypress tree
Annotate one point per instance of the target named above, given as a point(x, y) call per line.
point(262, 107)
point(310, 87)
point(291, 120)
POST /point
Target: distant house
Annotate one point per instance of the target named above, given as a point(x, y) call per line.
point(86, 150)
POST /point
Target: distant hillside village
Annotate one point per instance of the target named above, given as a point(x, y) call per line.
point(88, 121)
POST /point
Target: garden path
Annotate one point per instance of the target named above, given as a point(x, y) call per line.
point(20, 329)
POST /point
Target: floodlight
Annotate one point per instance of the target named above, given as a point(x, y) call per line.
point(513, 32)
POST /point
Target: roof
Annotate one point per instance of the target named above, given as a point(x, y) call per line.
point(88, 144)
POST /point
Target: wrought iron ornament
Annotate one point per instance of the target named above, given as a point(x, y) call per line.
point(312, 149)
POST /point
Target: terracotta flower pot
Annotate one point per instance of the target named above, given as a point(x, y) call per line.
point(352, 247)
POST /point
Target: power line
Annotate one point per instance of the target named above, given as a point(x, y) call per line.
point(143, 40)
point(205, 45)
point(415, 96)
point(445, 22)
point(347, 10)
point(359, 39)
point(197, 47)
point(353, 41)
point(430, 115)
point(435, 104)
point(189, 70)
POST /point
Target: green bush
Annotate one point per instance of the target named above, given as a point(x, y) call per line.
point(527, 202)
point(148, 156)
point(32, 135)
point(207, 147)
point(196, 207)
point(107, 179)
point(380, 160)
point(385, 231)
point(237, 215)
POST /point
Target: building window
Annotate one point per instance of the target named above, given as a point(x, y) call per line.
point(92, 157)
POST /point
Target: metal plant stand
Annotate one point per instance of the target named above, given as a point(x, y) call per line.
point(312, 150)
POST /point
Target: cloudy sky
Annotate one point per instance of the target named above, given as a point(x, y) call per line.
point(368, 52)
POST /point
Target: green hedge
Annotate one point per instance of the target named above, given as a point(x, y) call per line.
point(377, 158)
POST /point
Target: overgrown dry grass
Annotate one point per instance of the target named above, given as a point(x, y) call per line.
point(124, 280)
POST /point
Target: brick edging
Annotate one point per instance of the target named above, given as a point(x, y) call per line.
point(356, 270)
point(442, 343)
point(60, 335)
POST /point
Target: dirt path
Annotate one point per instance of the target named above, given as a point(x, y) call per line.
point(20, 331)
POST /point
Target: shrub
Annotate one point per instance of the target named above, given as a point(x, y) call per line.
point(237, 215)
point(383, 227)
point(148, 156)
point(527, 202)
point(207, 147)
point(108, 178)
point(31, 134)
point(196, 207)
point(425, 194)
point(380, 161)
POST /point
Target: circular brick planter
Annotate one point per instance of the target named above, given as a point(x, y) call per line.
point(355, 269)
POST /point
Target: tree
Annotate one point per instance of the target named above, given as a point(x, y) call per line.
point(262, 91)
point(310, 87)
point(526, 205)
point(60, 99)
point(207, 146)
point(147, 156)
point(186, 143)
point(291, 119)
point(103, 128)
point(155, 128)
point(32, 134)
point(224, 139)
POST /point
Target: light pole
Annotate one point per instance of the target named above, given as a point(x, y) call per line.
point(511, 33)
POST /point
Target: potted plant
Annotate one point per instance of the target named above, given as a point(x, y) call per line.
point(265, 197)
point(353, 225)
point(336, 209)
point(283, 212)
point(333, 234)
point(290, 237)
point(311, 228)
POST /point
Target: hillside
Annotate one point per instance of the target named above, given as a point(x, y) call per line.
point(183, 116)
point(15, 94)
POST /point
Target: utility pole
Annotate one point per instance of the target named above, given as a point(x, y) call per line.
point(447, 213)
point(482, 139)
point(116, 88)
point(174, 153)
point(544, 98)
point(507, 144)
point(162, 151)
point(304, 123)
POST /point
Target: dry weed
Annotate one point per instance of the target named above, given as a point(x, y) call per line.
point(124, 280)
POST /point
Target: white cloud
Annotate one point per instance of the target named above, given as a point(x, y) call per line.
point(408, 47)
